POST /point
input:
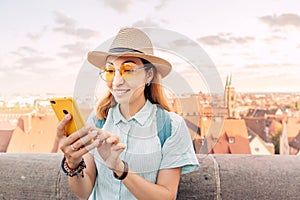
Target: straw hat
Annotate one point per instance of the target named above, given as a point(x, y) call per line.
point(131, 42)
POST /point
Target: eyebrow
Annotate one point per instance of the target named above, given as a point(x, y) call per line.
point(126, 61)
point(129, 61)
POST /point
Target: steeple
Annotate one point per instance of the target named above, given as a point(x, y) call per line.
point(230, 97)
point(226, 84)
point(228, 80)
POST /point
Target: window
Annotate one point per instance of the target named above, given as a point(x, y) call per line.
point(231, 140)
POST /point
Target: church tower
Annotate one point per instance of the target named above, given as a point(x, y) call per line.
point(230, 98)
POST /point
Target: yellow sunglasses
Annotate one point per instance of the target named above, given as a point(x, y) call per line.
point(127, 71)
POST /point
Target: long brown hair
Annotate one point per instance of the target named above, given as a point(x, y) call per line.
point(154, 93)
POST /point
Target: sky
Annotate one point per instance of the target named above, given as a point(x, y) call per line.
point(44, 44)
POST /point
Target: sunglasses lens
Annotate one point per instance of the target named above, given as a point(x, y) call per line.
point(108, 73)
point(127, 71)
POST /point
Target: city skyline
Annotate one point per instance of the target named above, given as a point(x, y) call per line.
point(44, 46)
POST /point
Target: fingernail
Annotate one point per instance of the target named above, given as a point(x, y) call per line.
point(94, 133)
point(68, 116)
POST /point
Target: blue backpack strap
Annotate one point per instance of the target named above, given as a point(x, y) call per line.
point(100, 123)
point(164, 126)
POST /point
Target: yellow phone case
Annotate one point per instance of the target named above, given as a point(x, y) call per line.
point(65, 105)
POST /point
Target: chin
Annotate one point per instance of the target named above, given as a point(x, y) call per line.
point(121, 100)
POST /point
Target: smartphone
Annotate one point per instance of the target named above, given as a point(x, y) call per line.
point(67, 105)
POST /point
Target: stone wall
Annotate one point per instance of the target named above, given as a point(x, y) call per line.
point(38, 176)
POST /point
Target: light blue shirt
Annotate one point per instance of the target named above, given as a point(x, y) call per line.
point(143, 152)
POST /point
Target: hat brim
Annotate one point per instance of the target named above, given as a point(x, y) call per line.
point(98, 59)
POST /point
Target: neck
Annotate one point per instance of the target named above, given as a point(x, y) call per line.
point(130, 109)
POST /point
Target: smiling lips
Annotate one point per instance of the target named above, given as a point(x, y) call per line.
point(120, 92)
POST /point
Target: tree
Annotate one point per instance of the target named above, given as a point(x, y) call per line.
point(276, 141)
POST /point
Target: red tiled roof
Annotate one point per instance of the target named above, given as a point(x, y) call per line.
point(229, 136)
point(295, 142)
point(6, 130)
point(7, 126)
point(39, 139)
point(257, 125)
point(293, 127)
point(192, 123)
point(5, 136)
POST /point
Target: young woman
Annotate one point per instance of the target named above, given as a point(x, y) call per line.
point(142, 148)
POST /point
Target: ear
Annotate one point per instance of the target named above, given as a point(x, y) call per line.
point(149, 75)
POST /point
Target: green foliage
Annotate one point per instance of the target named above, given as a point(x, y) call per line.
point(276, 141)
point(293, 106)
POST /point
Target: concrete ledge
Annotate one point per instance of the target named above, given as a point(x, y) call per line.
point(33, 176)
point(38, 176)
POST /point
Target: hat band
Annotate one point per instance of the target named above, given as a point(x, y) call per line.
point(123, 50)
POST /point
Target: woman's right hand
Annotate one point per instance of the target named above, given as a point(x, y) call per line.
point(77, 144)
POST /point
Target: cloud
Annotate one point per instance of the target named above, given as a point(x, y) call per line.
point(26, 67)
point(25, 51)
point(273, 66)
point(31, 62)
point(224, 39)
point(275, 38)
point(67, 23)
point(145, 23)
point(120, 6)
point(241, 40)
point(4, 68)
point(161, 4)
point(183, 42)
point(85, 33)
point(38, 35)
point(180, 45)
point(281, 20)
point(77, 49)
point(68, 26)
point(213, 40)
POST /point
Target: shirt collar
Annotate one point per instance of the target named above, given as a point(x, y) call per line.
point(141, 116)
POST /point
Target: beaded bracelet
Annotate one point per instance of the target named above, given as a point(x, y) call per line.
point(125, 172)
point(72, 172)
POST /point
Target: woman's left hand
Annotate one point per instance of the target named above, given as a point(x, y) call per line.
point(110, 150)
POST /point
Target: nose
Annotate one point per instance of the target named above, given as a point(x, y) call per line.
point(118, 79)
